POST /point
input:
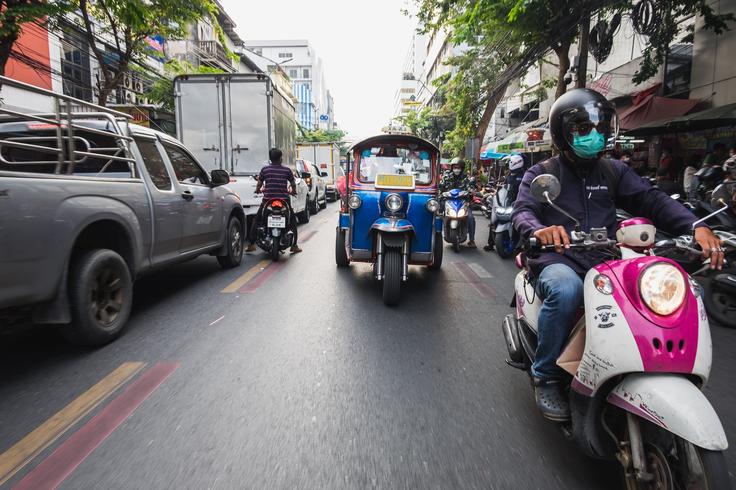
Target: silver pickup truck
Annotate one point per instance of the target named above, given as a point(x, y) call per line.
point(90, 202)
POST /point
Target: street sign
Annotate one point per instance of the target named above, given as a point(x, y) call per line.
point(324, 117)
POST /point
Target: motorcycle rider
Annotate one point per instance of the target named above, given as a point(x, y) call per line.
point(277, 179)
point(455, 178)
point(581, 122)
point(513, 180)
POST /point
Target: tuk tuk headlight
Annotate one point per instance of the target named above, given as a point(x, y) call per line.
point(394, 202)
point(432, 206)
point(662, 288)
point(354, 201)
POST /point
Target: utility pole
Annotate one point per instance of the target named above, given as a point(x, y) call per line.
point(582, 77)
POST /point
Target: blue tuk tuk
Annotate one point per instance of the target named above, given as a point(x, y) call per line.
point(388, 216)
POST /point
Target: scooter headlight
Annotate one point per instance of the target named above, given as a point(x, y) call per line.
point(432, 206)
point(450, 212)
point(394, 202)
point(662, 288)
point(354, 202)
point(462, 212)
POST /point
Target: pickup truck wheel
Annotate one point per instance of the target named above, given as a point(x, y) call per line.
point(234, 244)
point(323, 204)
point(314, 206)
point(101, 295)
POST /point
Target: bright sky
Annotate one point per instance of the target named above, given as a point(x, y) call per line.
point(362, 45)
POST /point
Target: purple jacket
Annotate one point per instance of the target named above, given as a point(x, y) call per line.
point(586, 197)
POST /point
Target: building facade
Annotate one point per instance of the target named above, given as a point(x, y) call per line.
point(406, 98)
point(298, 59)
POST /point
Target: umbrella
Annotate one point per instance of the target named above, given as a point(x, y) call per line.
point(709, 119)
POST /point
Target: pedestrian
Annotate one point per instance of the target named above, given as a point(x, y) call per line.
point(688, 177)
point(717, 156)
point(666, 161)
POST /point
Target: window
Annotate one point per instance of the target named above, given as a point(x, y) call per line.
point(293, 73)
point(389, 159)
point(154, 164)
point(286, 55)
point(186, 169)
point(76, 76)
point(305, 73)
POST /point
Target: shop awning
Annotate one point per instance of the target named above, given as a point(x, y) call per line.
point(717, 117)
point(654, 108)
point(487, 153)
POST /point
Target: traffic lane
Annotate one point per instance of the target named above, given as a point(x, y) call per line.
point(314, 383)
point(40, 372)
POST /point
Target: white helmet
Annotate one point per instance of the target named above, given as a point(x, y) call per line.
point(515, 162)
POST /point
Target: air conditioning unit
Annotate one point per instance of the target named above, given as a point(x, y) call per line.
point(127, 81)
point(130, 97)
point(139, 86)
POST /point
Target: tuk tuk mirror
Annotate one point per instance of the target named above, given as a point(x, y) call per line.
point(722, 195)
point(545, 188)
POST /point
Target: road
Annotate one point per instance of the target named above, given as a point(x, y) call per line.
point(297, 376)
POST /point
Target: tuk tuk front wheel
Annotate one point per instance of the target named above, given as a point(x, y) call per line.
point(341, 255)
point(391, 276)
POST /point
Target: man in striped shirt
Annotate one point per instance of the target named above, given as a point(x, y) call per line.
point(276, 178)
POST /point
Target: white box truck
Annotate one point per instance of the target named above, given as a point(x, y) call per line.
point(326, 156)
point(230, 121)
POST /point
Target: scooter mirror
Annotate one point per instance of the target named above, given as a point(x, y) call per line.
point(722, 195)
point(544, 187)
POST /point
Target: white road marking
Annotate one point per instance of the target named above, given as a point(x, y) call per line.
point(223, 316)
point(480, 271)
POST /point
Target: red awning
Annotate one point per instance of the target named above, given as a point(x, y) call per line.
point(653, 108)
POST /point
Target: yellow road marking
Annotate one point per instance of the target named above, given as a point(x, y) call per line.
point(15, 458)
point(249, 274)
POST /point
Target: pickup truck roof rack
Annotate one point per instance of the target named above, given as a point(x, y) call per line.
point(70, 115)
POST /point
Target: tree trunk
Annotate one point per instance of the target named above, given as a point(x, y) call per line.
point(563, 62)
point(485, 119)
point(6, 47)
point(583, 52)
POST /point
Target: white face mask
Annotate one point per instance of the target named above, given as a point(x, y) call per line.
point(457, 171)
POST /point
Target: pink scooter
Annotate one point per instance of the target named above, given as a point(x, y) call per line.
point(639, 358)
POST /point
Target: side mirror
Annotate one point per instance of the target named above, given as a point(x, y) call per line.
point(306, 175)
point(219, 177)
point(722, 195)
point(545, 188)
point(323, 174)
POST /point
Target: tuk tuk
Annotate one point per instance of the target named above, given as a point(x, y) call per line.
point(388, 217)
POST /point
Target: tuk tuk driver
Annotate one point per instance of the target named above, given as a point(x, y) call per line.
point(455, 178)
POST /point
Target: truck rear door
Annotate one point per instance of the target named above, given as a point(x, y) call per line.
point(200, 120)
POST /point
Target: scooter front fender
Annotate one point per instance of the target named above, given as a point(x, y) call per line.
point(673, 403)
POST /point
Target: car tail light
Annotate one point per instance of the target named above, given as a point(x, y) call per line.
point(309, 181)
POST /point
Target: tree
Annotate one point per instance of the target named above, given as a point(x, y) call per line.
point(162, 90)
point(428, 123)
point(15, 13)
point(322, 136)
point(127, 24)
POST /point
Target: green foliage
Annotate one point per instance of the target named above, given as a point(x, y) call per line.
point(428, 123)
point(320, 135)
point(127, 23)
point(162, 90)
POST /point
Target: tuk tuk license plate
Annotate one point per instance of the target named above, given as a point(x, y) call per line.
point(277, 221)
point(394, 181)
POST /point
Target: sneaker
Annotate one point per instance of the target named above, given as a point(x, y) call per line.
point(295, 249)
point(551, 400)
point(471, 244)
point(251, 248)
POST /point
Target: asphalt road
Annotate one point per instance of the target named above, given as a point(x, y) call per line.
point(300, 378)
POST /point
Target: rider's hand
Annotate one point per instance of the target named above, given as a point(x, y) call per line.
point(554, 235)
point(711, 245)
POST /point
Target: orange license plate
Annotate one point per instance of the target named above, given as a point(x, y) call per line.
point(393, 181)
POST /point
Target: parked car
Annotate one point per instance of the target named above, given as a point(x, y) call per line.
point(81, 222)
point(311, 175)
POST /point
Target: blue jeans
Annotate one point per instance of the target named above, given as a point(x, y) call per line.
point(562, 290)
point(471, 226)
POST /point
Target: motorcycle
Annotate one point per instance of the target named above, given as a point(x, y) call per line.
point(455, 221)
point(501, 225)
point(274, 233)
point(639, 357)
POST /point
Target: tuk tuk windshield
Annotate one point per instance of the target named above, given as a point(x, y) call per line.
point(395, 160)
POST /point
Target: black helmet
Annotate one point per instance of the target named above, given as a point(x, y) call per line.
point(583, 123)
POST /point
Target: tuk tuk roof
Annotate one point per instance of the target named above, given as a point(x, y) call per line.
point(393, 138)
